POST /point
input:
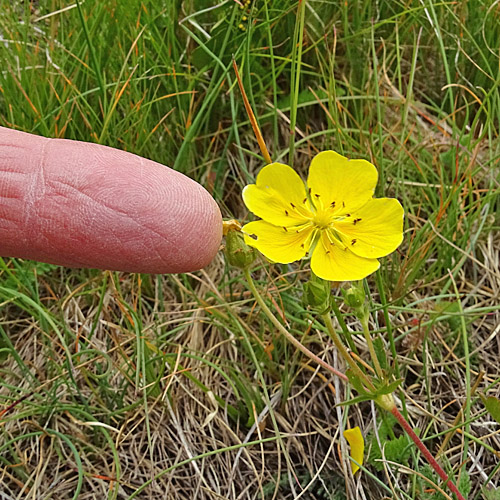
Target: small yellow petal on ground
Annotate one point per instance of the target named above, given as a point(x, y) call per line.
point(357, 443)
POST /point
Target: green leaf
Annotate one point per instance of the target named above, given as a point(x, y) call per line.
point(356, 382)
point(358, 399)
point(389, 388)
point(492, 405)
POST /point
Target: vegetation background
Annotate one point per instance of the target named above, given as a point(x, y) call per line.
point(152, 387)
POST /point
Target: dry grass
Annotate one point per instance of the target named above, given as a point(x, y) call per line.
point(176, 387)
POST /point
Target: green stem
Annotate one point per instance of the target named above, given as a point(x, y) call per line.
point(343, 326)
point(373, 354)
point(343, 352)
point(285, 332)
point(298, 38)
point(388, 325)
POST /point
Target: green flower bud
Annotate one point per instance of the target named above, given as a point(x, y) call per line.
point(238, 253)
point(317, 295)
point(355, 296)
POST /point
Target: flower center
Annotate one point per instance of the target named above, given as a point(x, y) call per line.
point(323, 219)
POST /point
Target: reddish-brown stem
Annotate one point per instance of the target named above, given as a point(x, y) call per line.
point(427, 454)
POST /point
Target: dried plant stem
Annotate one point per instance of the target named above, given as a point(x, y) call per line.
point(251, 117)
point(285, 332)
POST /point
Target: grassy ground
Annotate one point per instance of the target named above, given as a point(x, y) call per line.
point(176, 387)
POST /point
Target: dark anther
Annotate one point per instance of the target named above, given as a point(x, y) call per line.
point(355, 221)
point(286, 230)
point(293, 206)
point(327, 252)
point(286, 212)
point(302, 245)
point(332, 204)
point(304, 200)
point(353, 241)
point(347, 215)
point(253, 236)
point(309, 190)
point(317, 195)
point(343, 205)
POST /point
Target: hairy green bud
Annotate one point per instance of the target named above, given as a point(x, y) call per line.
point(238, 253)
point(355, 296)
point(317, 294)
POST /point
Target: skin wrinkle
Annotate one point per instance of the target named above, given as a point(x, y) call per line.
point(94, 206)
point(36, 189)
point(101, 203)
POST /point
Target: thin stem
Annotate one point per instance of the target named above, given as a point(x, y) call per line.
point(388, 325)
point(343, 326)
point(298, 40)
point(285, 332)
point(251, 116)
point(373, 354)
point(343, 352)
point(427, 454)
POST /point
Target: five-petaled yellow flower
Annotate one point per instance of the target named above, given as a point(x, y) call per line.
point(335, 219)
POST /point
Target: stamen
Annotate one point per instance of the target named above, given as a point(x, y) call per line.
point(286, 212)
point(334, 239)
point(332, 204)
point(304, 200)
point(286, 230)
point(355, 221)
point(353, 241)
point(293, 206)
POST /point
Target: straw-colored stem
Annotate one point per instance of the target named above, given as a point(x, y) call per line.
point(251, 117)
point(285, 332)
point(345, 354)
point(371, 348)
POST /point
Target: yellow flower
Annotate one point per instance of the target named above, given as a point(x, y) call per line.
point(357, 444)
point(336, 219)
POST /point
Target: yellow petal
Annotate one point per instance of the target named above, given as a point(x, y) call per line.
point(357, 444)
point(375, 230)
point(340, 183)
point(279, 196)
point(333, 261)
point(279, 244)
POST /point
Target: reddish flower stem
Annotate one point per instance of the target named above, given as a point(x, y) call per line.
point(427, 454)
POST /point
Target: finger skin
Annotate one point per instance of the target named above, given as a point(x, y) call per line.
point(79, 204)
